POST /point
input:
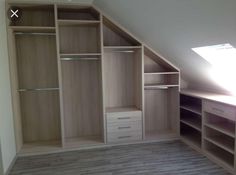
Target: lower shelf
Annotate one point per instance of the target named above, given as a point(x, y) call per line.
point(83, 141)
point(191, 135)
point(219, 154)
point(38, 147)
point(159, 135)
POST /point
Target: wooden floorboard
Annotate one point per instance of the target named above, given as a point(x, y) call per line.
point(169, 158)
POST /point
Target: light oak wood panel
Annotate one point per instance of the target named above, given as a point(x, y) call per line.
point(14, 92)
point(162, 79)
point(82, 98)
point(37, 63)
point(35, 15)
point(40, 116)
point(79, 39)
point(161, 111)
point(121, 72)
point(114, 36)
point(77, 13)
point(154, 63)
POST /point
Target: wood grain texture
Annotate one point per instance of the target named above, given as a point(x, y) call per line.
point(114, 36)
point(156, 158)
point(79, 39)
point(77, 13)
point(155, 63)
point(120, 76)
point(42, 15)
point(14, 88)
point(82, 98)
point(40, 116)
point(36, 60)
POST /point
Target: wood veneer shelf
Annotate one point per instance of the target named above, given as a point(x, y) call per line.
point(122, 47)
point(222, 127)
point(192, 135)
point(45, 146)
point(160, 73)
point(196, 124)
point(192, 108)
point(83, 141)
point(222, 143)
point(219, 153)
point(121, 109)
point(77, 22)
point(33, 29)
point(79, 54)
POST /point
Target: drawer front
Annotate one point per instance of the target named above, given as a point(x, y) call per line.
point(222, 110)
point(124, 126)
point(119, 137)
point(126, 117)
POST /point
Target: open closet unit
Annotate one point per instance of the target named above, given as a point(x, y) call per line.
point(161, 87)
point(79, 80)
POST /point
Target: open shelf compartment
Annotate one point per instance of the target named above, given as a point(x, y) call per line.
point(81, 13)
point(220, 124)
point(191, 119)
point(221, 140)
point(191, 104)
point(115, 36)
point(191, 135)
point(82, 101)
point(34, 15)
point(219, 153)
point(79, 39)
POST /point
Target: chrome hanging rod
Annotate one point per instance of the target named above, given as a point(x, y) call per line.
point(80, 59)
point(34, 33)
point(157, 88)
point(124, 51)
point(38, 89)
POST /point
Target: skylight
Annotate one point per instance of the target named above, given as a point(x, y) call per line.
point(223, 60)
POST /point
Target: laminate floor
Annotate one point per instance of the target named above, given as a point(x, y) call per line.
point(168, 158)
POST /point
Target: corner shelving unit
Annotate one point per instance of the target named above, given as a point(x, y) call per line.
point(191, 120)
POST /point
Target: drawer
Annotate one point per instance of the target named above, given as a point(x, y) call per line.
point(124, 117)
point(119, 137)
point(219, 109)
point(124, 126)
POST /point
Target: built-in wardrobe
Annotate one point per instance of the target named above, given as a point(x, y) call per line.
point(79, 80)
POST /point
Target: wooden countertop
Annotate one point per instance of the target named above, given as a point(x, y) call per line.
point(226, 99)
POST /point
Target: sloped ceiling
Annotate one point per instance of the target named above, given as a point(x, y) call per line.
point(173, 27)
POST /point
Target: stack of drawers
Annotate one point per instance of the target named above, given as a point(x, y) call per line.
point(124, 126)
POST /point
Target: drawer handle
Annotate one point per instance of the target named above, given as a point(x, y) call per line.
point(218, 110)
point(123, 118)
point(124, 137)
point(125, 127)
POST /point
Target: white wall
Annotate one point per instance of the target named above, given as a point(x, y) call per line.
point(173, 27)
point(6, 116)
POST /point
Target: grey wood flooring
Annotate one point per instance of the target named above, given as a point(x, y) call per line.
point(168, 158)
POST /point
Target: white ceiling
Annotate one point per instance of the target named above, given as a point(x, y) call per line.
point(173, 27)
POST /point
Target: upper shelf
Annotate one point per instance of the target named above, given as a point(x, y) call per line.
point(154, 64)
point(34, 15)
point(115, 36)
point(78, 13)
point(77, 22)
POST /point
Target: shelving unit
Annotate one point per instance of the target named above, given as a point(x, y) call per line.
point(36, 85)
point(161, 85)
point(85, 82)
point(219, 140)
point(191, 119)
